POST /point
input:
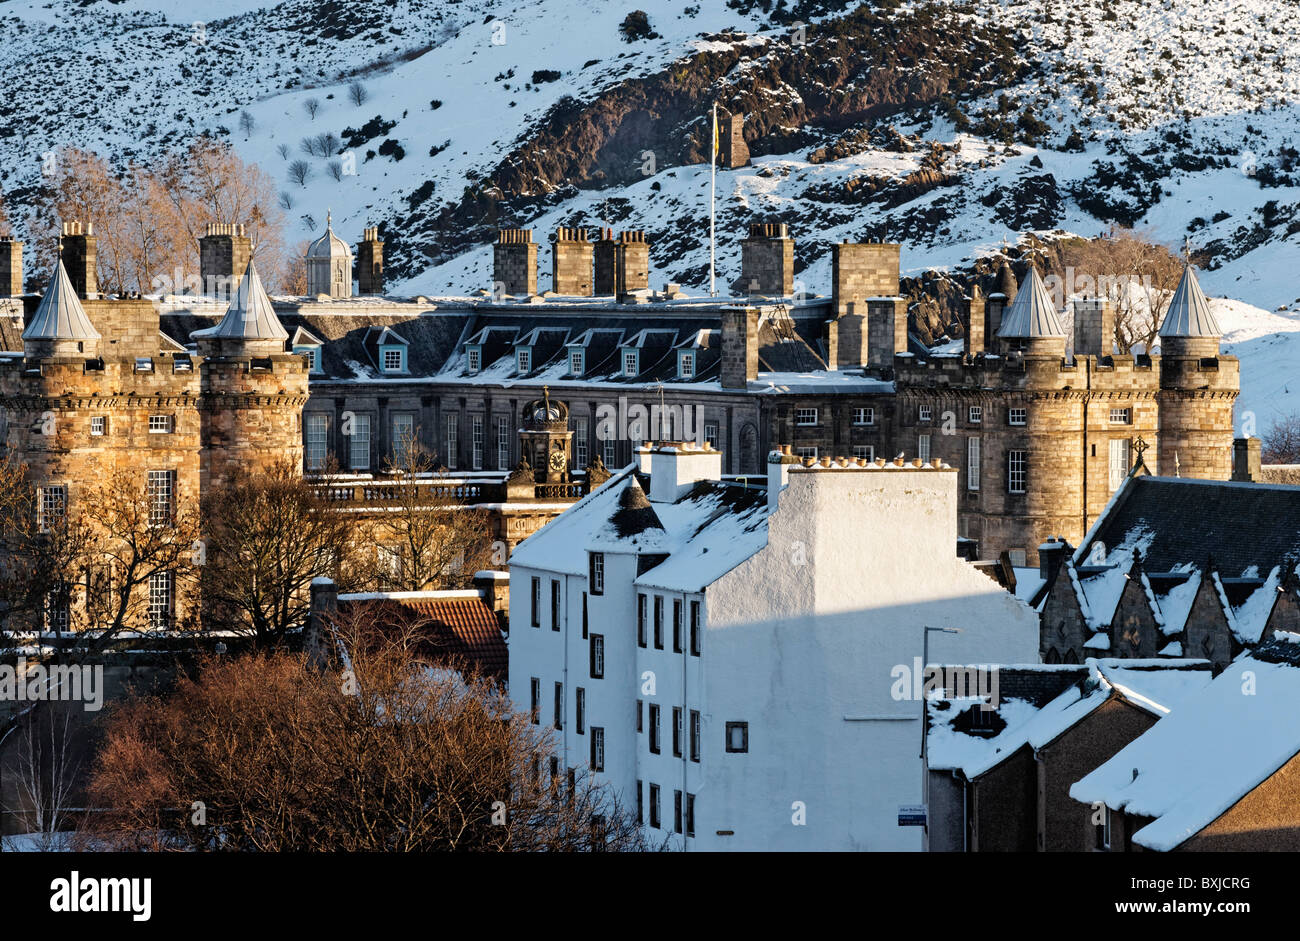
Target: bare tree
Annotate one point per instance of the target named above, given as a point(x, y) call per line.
point(1281, 443)
point(286, 199)
point(311, 106)
point(357, 94)
point(283, 150)
point(139, 531)
point(246, 123)
point(1130, 269)
point(46, 772)
point(426, 538)
point(376, 752)
point(336, 170)
point(269, 535)
point(293, 275)
point(300, 172)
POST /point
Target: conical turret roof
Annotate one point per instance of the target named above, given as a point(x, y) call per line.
point(1189, 311)
point(250, 315)
point(60, 315)
point(1032, 313)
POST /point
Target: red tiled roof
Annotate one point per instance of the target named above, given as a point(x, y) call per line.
point(457, 632)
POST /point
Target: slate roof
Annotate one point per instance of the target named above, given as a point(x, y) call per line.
point(1191, 767)
point(250, 315)
point(1026, 714)
point(60, 315)
point(1183, 520)
point(1189, 311)
point(1032, 313)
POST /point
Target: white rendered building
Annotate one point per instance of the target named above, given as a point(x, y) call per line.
point(728, 657)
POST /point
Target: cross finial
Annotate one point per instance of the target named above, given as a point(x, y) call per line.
point(1140, 446)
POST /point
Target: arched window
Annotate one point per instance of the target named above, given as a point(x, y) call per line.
point(748, 450)
point(1053, 656)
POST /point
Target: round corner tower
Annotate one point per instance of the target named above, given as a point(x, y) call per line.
point(1198, 388)
point(253, 391)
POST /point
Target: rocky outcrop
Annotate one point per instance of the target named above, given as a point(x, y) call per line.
point(846, 72)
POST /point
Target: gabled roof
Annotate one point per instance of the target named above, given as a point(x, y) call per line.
point(456, 629)
point(1032, 313)
point(1248, 527)
point(1191, 767)
point(702, 535)
point(304, 337)
point(60, 315)
point(1154, 686)
point(250, 315)
point(1189, 311)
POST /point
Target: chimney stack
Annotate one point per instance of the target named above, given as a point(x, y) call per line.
point(514, 262)
point(606, 251)
point(869, 322)
point(370, 262)
point(571, 263)
point(631, 263)
point(1246, 461)
point(224, 251)
point(974, 322)
point(11, 266)
point(739, 356)
point(1094, 327)
point(77, 250)
point(767, 260)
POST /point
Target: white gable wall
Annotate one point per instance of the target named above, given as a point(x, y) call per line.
point(807, 632)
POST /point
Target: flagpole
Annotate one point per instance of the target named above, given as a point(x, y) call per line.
point(713, 176)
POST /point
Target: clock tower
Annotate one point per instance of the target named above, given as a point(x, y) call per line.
point(546, 440)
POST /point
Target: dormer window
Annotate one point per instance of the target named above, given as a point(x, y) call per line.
point(686, 364)
point(313, 356)
point(393, 358)
point(524, 359)
point(143, 364)
point(577, 364)
point(474, 357)
point(631, 362)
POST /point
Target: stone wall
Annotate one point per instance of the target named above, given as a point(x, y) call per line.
point(514, 262)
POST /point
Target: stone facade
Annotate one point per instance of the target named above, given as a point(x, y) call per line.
point(11, 266)
point(631, 263)
point(732, 150)
point(138, 407)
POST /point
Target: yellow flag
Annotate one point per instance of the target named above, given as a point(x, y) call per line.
point(717, 140)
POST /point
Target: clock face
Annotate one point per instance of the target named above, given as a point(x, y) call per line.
point(557, 460)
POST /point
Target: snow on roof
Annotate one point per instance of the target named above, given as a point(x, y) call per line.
point(1176, 603)
point(1252, 614)
point(1032, 313)
point(1156, 686)
point(1216, 747)
point(60, 315)
point(250, 315)
point(1189, 311)
point(704, 534)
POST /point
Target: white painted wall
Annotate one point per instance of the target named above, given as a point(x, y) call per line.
point(807, 631)
point(801, 634)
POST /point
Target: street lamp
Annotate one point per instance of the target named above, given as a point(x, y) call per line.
point(925, 660)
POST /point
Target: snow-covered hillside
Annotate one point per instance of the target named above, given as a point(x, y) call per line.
point(1176, 116)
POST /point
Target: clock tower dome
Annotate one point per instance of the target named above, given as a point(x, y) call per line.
point(546, 440)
